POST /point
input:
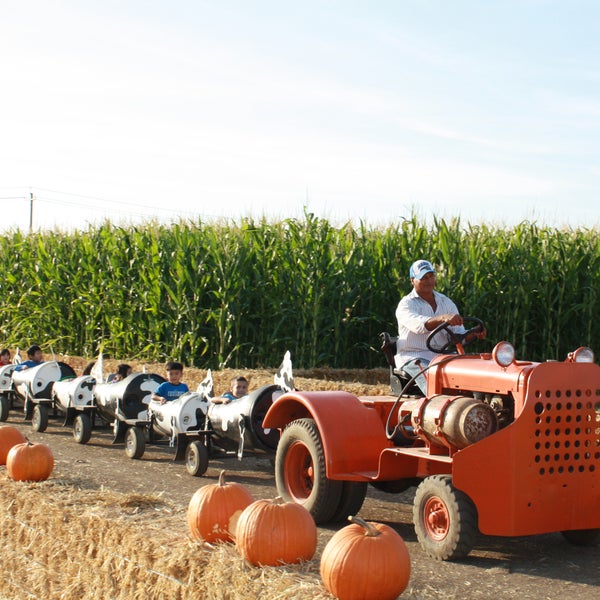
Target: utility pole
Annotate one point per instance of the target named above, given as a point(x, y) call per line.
point(30, 212)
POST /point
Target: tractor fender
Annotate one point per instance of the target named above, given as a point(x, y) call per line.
point(352, 433)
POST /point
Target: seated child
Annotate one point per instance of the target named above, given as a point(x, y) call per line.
point(4, 357)
point(172, 388)
point(239, 388)
point(123, 371)
point(34, 358)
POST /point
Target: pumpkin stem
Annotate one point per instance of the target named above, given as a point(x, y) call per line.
point(222, 477)
point(370, 530)
point(278, 500)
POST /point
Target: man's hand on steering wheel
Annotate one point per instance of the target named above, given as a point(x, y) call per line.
point(476, 332)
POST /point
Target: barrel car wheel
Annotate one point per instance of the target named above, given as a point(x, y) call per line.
point(39, 418)
point(4, 407)
point(135, 444)
point(196, 458)
point(82, 428)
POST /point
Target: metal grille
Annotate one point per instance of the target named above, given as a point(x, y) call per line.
point(567, 431)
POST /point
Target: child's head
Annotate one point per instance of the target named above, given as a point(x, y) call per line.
point(174, 372)
point(239, 386)
point(123, 370)
point(5, 354)
point(34, 353)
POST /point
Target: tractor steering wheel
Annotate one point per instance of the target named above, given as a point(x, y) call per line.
point(454, 338)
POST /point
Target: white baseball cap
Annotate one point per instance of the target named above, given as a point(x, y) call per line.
point(420, 268)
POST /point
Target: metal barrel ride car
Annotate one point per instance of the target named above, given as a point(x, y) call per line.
point(74, 398)
point(501, 446)
point(124, 405)
point(183, 420)
point(238, 425)
point(33, 386)
point(198, 426)
point(6, 390)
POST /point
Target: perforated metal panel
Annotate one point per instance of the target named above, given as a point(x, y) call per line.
point(567, 431)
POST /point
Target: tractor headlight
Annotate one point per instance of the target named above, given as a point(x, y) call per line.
point(583, 355)
point(503, 353)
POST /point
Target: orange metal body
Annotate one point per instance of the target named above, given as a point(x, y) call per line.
point(541, 473)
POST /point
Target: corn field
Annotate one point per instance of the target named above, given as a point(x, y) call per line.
point(240, 294)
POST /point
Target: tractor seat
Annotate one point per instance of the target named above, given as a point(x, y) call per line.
point(398, 379)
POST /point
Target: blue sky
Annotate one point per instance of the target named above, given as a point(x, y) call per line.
point(366, 110)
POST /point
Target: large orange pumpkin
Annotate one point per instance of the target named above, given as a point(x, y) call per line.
point(9, 436)
point(274, 532)
point(214, 509)
point(365, 561)
point(29, 462)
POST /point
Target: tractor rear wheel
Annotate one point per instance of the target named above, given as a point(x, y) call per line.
point(135, 443)
point(582, 537)
point(351, 501)
point(300, 473)
point(445, 519)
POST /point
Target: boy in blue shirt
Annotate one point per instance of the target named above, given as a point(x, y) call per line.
point(239, 388)
point(172, 388)
point(34, 358)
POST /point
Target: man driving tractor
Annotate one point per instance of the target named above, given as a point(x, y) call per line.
point(419, 313)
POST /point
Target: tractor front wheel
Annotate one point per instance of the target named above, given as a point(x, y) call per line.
point(582, 537)
point(300, 473)
point(445, 519)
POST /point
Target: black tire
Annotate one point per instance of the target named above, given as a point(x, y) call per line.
point(445, 519)
point(582, 537)
point(4, 408)
point(300, 473)
point(196, 458)
point(135, 443)
point(39, 418)
point(353, 496)
point(395, 487)
point(82, 428)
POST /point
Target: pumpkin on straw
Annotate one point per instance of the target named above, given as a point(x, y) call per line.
point(214, 509)
point(275, 532)
point(9, 436)
point(29, 462)
point(365, 561)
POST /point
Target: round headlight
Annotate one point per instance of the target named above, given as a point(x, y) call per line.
point(583, 355)
point(503, 354)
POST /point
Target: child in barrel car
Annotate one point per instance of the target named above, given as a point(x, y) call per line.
point(239, 388)
point(172, 388)
point(34, 358)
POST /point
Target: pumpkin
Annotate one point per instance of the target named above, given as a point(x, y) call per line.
point(214, 509)
point(9, 436)
point(29, 462)
point(367, 561)
point(275, 532)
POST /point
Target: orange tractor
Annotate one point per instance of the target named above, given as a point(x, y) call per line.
point(498, 445)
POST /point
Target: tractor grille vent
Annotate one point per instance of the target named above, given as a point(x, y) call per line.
point(567, 432)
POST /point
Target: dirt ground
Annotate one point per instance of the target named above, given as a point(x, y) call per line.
point(542, 567)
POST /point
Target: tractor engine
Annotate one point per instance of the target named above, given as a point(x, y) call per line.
point(451, 421)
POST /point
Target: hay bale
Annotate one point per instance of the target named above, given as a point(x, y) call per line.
point(64, 542)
